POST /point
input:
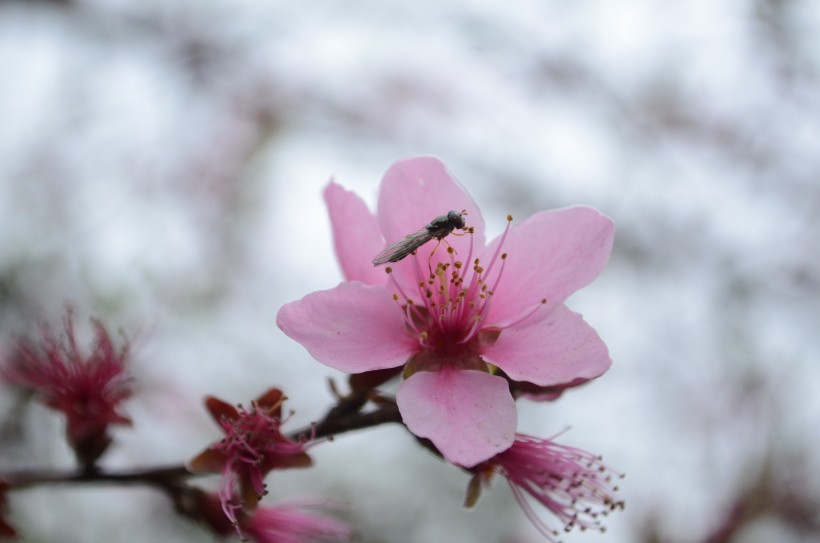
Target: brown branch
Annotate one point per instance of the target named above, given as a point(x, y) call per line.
point(344, 417)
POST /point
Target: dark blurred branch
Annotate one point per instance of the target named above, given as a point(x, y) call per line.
point(774, 494)
point(344, 417)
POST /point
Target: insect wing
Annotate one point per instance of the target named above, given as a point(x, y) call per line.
point(404, 247)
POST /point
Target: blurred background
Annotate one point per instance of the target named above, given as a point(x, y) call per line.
point(161, 167)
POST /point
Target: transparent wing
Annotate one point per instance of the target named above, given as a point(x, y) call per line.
point(403, 247)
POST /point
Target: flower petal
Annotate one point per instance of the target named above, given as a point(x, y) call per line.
point(413, 192)
point(468, 415)
point(291, 524)
point(208, 461)
point(220, 410)
point(271, 402)
point(356, 236)
point(550, 255)
point(555, 350)
point(353, 327)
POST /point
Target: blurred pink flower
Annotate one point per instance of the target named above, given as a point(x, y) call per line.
point(284, 523)
point(292, 524)
point(454, 317)
point(253, 446)
point(88, 389)
point(574, 485)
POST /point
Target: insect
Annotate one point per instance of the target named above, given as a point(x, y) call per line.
point(439, 228)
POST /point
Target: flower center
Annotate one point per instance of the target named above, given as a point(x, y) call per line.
point(254, 438)
point(250, 436)
point(447, 307)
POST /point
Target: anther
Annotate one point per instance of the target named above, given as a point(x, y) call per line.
point(440, 271)
point(388, 269)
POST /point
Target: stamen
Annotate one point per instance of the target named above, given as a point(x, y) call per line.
point(410, 306)
point(440, 269)
point(471, 291)
point(500, 244)
point(527, 314)
point(453, 263)
point(486, 309)
point(409, 318)
point(398, 288)
point(475, 281)
point(501, 271)
point(473, 330)
point(420, 282)
point(529, 512)
point(470, 251)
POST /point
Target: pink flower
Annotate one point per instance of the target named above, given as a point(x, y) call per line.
point(88, 389)
point(457, 318)
point(253, 446)
point(574, 485)
point(284, 523)
point(292, 524)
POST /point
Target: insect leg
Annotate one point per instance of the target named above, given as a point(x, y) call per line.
point(430, 257)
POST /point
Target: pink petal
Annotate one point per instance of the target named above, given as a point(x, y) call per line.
point(292, 524)
point(356, 235)
point(469, 415)
point(413, 192)
point(552, 351)
point(550, 255)
point(353, 327)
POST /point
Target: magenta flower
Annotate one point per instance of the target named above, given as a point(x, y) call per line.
point(284, 523)
point(454, 317)
point(253, 446)
point(87, 388)
point(292, 523)
point(574, 485)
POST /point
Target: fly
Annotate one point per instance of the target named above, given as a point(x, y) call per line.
point(439, 228)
